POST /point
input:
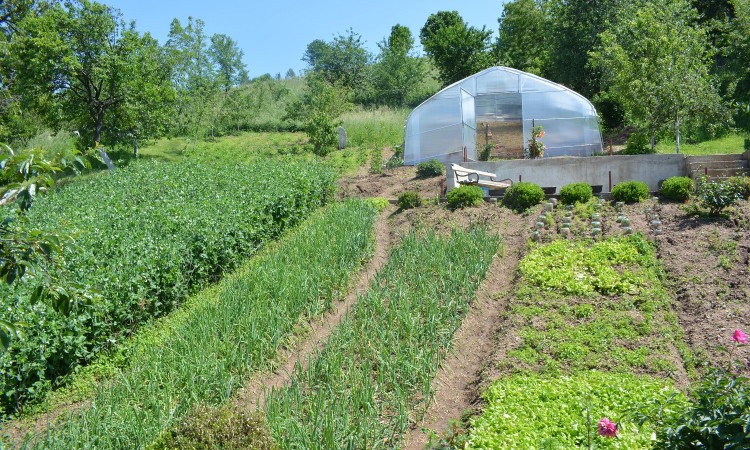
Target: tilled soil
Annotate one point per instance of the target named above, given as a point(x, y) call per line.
point(707, 262)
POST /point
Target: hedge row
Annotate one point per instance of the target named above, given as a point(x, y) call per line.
point(145, 238)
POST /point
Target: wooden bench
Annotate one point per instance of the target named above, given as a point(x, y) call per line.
point(472, 176)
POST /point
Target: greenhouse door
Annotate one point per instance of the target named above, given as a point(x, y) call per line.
point(469, 126)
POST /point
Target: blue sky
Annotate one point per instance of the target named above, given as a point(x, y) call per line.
point(274, 34)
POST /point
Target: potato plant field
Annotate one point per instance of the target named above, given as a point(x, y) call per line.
point(145, 238)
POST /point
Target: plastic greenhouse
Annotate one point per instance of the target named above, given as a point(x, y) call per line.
point(491, 113)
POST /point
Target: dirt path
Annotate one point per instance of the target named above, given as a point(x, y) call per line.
point(458, 382)
point(253, 395)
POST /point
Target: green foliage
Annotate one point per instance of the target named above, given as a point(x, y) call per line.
point(380, 203)
point(533, 411)
point(637, 144)
point(678, 189)
point(465, 197)
point(741, 185)
point(717, 416)
point(630, 191)
point(522, 196)
point(657, 65)
point(580, 268)
point(201, 352)
point(409, 200)
point(584, 305)
point(321, 130)
point(431, 168)
point(524, 36)
point(456, 49)
point(343, 61)
point(376, 373)
point(573, 193)
point(79, 65)
point(716, 195)
point(209, 428)
point(399, 71)
point(163, 230)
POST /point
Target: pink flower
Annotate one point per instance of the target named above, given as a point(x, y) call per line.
point(739, 336)
point(607, 428)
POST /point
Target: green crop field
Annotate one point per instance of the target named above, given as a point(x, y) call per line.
point(145, 238)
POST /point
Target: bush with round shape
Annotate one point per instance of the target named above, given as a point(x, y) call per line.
point(409, 200)
point(522, 196)
point(430, 168)
point(677, 188)
point(573, 193)
point(465, 196)
point(630, 191)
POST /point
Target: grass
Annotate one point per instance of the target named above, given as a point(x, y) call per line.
point(203, 352)
point(375, 375)
point(733, 143)
point(375, 127)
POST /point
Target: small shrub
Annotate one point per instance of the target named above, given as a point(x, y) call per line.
point(393, 162)
point(630, 191)
point(465, 196)
point(638, 144)
point(716, 417)
point(217, 428)
point(741, 185)
point(716, 195)
point(522, 196)
point(429, 169)
point(677, 188)
point(576, 192)
point(409, 200)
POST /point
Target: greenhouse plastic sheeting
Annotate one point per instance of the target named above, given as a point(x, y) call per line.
point(445, 126)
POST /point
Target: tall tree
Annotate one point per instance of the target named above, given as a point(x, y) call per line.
point(227, 57)
point(343, 61)
point(456, 49)
point(74, 65)
point(656, 62)
point(524, 39)
point(194, 76)
point(733, 61)
point(399, 70)
point(574, 33)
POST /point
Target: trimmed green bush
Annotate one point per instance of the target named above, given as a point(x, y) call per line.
point(630, 191)
point(431, 168)
point(465, 196)
point(409, 200)
point(573, 193)
point(677, 188)
point(208, 428)
point(522, 196)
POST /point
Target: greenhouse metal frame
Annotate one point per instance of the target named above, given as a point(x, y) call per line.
point(490, 115)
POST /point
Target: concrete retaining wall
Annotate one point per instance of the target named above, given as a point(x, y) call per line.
point(559, 171)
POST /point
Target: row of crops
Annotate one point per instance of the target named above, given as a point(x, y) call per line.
point(589, 316)
point(146, 238)
point(208, 349)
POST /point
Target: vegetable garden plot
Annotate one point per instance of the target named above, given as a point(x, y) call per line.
point(146, 237)
point(375, 374)
point(588, 316)
point(236, 329)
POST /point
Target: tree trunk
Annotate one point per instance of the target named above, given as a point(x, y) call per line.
point(677, 130)
point(99, 126)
